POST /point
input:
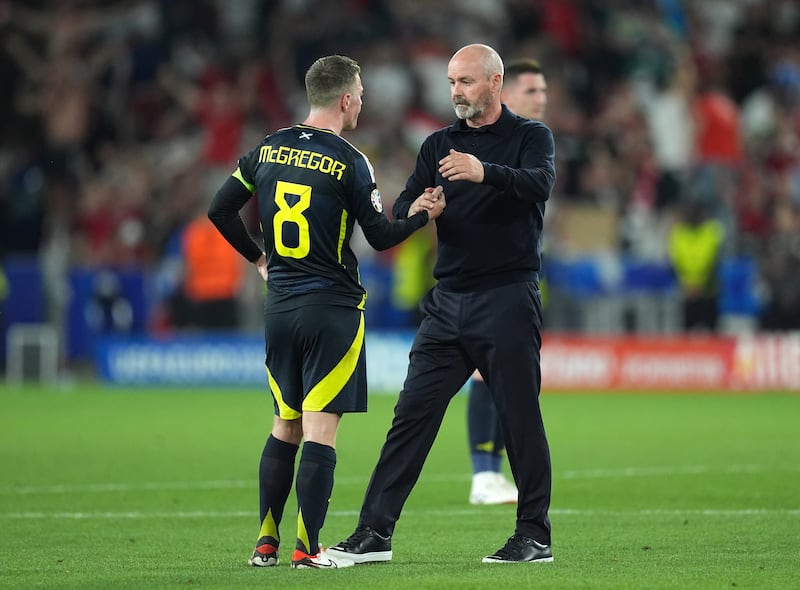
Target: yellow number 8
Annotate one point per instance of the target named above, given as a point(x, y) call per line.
point(292, 214)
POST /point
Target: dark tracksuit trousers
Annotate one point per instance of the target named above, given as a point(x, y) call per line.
point(496, 331)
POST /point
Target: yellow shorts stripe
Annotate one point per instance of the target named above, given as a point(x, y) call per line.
point(327, 389)
point(284, 411)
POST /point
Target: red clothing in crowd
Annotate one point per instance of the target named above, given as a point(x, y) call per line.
point(717, 125)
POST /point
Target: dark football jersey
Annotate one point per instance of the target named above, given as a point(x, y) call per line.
point(312, 185)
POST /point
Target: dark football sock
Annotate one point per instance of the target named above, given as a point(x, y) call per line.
point(275, 476)
point(481, 419)
point(499, 447)
point(314, 486)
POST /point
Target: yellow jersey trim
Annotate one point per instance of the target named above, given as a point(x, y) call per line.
point(237, 174)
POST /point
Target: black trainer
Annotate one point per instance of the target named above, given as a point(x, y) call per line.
point(520, 549)
point(363, 546)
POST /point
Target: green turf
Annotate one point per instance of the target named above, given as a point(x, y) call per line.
point(123, 488)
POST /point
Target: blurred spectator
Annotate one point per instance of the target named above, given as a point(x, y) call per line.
point(429, 59)
point(212, 276)
point(669, 117)
point(108, 311)
point(779, 263)
point(389, 87)
point(219, 102)
point(4, 290)
point(412, 274)
point(695, 244)
point(719, 154)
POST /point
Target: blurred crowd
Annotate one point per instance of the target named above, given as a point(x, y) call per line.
point(120, 118)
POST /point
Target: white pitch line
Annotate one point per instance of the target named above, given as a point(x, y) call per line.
point(672, 471)
point(128, 487)
point(624, 472)
point(583, 513)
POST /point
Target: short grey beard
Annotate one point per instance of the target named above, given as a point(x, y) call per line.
point(464, 111)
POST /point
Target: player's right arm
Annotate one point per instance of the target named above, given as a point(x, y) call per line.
point(382, 233)
point(224, 214)
point(364, 202)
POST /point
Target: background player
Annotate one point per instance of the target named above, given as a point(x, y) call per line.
point(312, 185)
point(525, 93)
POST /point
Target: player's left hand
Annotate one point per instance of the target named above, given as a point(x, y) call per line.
point(461, 166)
point(261, 266)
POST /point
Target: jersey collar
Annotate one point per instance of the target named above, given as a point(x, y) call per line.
point(304, 126)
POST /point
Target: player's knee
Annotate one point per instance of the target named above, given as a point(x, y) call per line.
point(320, 427)
point(290, 431)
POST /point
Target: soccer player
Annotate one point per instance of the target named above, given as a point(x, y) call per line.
point(525, 88)
point(311, 185)
point(498, 170)
point(525, 93)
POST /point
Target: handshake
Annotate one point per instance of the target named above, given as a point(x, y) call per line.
point(431, 200)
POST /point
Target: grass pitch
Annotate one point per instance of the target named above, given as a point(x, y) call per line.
point(124, 488)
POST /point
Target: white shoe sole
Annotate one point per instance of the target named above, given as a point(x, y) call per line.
point(272, 562)
point(339, 563)
point(373, 557)
point(542, 560)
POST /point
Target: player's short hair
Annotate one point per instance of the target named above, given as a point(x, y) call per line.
point(517, 67)
point(329, 77)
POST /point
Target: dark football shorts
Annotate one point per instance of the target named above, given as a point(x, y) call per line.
point(316, 360)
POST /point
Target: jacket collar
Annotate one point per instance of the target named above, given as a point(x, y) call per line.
point(502, 126)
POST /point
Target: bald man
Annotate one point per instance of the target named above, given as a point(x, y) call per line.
point(497, 170)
